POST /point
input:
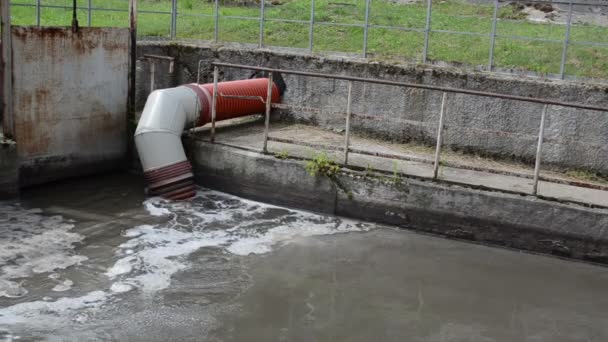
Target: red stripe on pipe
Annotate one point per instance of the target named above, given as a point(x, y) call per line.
point(172, 182)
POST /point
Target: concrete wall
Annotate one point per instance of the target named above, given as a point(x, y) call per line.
point(490, 217)
point(70, 100)
point(574, 138)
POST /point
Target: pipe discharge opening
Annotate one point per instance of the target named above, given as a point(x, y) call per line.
point(168, 112)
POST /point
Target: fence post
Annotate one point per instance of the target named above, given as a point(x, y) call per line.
point(427, 30)
point(348, 112)
point(439, 136)
point(37, 12)
point(311, 29)
point(493, 36)
point(173, 19)
point(267, 116)
point(366, 29)
point(539, 148)
point(152, 73)
point(216, 23)
point(262, 10)
point(216, 73)
point(7, 124)
point(89, 13)
point(562, 67)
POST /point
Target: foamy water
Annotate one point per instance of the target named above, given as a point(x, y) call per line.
point(31, 243)
point(150, 255)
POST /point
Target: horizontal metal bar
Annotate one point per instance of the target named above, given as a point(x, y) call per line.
point(78, 8)
point(153, 12)
point(239, 17)
point(416, 85)
point(287, 20)
point(531, 39)
point(168, 58)
point(401, 28)
point(574, 42)
point(461, 32)
point(195, 15)
point(326, 23)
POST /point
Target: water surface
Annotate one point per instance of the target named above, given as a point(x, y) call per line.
point(93, 260)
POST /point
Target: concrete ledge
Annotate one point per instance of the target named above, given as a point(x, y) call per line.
point(516, 221)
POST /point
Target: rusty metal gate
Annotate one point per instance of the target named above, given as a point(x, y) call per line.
point(70, 99)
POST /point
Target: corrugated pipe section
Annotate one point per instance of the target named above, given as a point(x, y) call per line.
point(168, 112)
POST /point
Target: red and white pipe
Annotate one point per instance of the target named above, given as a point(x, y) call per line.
point(168, 112)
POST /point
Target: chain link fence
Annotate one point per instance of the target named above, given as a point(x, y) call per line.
point(556, 39)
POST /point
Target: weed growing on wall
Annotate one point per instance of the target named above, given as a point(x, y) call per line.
point(322, 165)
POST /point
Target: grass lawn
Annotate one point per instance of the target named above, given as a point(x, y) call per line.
point(393, 44)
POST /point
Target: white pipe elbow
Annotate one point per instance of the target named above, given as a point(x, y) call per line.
point(158, 135)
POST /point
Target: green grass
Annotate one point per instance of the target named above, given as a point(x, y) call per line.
point(542, 57)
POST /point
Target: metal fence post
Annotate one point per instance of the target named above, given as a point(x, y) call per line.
point(366, 29)
point(89, 13)
point(37, 12)
point(216, 23)
point(439, 136)
point(493, 36)
point(262, 10)
point(311, 29)
point(8, 123)
point(152, 73)
point(267, 116)
point(348, 112)
point(198, 72)
point(216, 74)
point(173, 19)
point(539, 148)
point(427, 30)
point(562, 67)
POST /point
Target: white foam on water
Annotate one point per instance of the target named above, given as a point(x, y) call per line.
point(154, 253)
point(151, 258)
point(33, 243)
point(155, 210)
point(63, 286)
point(51, 313)
point(121, 287)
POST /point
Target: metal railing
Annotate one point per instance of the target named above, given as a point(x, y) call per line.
point(436, 162)
point(366, 25)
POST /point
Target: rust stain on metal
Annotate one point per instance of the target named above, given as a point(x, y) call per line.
point(83, 41)
point(32, 140)
point(70, 92)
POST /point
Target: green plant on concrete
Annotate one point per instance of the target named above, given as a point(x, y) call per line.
point(369, 171)
point(321, 164)
point(282, 155)
point(587, 176)
point(396, 173)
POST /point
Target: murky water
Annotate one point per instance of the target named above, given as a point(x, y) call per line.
point(92, 260)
